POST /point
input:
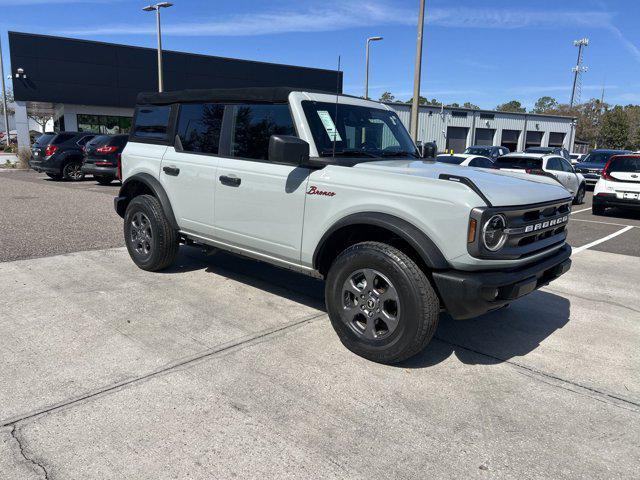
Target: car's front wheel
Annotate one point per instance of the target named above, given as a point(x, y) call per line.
point(151, 240)
point(73, 171)
point(380, 302)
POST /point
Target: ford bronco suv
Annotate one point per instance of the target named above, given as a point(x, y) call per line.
point(333, 186)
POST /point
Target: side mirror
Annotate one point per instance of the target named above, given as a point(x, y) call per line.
point(429, 150)
point(288, 150)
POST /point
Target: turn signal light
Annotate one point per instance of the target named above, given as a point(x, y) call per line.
point(473, 225)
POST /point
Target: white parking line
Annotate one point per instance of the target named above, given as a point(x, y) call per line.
point(602, 240)
point(583, 210)
point(602, 223)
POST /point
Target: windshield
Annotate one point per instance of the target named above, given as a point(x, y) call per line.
point(478, 150)
point(361, 131)
point(522, 163)
point(452, 159)
point(598, 157)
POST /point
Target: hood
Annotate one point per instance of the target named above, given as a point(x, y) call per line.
point(501, 188)
point(590, 165)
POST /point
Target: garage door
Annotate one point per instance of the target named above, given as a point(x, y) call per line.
point(484, 136)
point(534, 139)
point(510, 139)
point(457, 138)
point(556, 139)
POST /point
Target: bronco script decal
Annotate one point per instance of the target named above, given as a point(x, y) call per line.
point(313, 190)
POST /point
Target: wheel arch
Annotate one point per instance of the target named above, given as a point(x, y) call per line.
point(368, 226)
point(144, 184)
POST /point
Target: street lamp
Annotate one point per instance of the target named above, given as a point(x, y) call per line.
point(156, 8)
point(366, 77)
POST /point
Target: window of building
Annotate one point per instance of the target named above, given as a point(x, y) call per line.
point(510, 139)
point(556, 139)
point(103, 124)
point(533, 139)
point(253, 126)
point(458, 113)
point(487, 116)
point(199, 127)
point(152, 122)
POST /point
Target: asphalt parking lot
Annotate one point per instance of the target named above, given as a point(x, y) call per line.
point(223, 367)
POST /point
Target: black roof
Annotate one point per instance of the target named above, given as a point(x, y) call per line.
point(220, 95)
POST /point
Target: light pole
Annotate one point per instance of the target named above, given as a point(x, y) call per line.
point(416, 79)
point(366, 76)
point(157, 8)
point(4, 98)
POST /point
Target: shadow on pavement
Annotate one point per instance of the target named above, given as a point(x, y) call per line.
point(490, 339)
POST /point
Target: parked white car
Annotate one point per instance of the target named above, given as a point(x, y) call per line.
point(553, 166)
point(333, 186)
point(619, 185)
point(465, 160)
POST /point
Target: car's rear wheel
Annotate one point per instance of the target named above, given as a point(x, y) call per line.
point(579, 198)
point(103, 180)
point(380, 302)
point(151, 240)
point(54, 176)
point(73, 171)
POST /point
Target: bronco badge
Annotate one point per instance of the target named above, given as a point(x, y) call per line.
point(313, 190)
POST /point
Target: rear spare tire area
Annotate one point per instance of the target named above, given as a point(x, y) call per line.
point(381, 304)
point(151, 241)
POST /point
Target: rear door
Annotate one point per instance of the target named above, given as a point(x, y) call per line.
point(189, 167)
point(572, 179)
point(554, 166)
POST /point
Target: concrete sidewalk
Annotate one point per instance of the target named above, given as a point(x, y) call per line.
point(227, 367)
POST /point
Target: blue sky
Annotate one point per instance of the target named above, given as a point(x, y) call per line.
point(483, 51)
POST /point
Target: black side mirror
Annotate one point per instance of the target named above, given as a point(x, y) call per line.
point(288, 150)
point(429, 150)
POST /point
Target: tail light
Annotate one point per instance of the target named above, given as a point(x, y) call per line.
point(107, 149)
point(605, 173)
point(119, 168)
point(50, 150)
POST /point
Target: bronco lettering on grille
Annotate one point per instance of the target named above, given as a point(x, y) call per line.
point(313, 190)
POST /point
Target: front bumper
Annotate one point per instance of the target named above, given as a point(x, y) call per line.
point(469, 294)
point(611, 200)
point(92, 169)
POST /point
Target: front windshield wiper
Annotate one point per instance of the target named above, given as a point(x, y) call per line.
point(399, 154)
point(348, 153)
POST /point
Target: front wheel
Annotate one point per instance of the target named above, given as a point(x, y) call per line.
point(579, 198)
point(380, 303)
point(151, 240)
point(73, 171)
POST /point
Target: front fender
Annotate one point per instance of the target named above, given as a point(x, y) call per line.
point(140, 184)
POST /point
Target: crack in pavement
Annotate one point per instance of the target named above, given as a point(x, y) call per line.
point(613, 399)
point(28, 458)
point(242, 341)
point(594, 300)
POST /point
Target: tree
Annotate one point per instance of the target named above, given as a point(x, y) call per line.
point(512, 106)
point(615, 129)
point(40, 118)
point(9, 102)
point(454, 105)
point(387, 97)
point(424, 101)
point(470, 105)
point(545, 104)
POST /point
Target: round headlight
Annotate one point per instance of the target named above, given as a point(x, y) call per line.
point(493, 233)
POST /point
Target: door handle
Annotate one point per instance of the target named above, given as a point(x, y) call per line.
point(173, 171)
point(230, 180)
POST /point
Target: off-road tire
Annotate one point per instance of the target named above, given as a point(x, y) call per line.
point(579, 198)
point(597, 210)
point(163, 241)
point(69, 171)
point(54, 176)
point(103, 180)
point(419, 307)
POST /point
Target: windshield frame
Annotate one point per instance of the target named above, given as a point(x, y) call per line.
point(321, 115)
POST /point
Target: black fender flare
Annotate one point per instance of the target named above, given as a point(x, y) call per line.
point(128, 191)
point(416, 238)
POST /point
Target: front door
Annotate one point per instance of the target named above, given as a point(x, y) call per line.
point(259, 205)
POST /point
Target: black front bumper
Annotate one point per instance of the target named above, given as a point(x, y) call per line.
point(469, 294)
point(92, 169)
point(611, 200)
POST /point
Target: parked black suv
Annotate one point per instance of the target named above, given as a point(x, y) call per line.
point(60, 155)
point(101, 157)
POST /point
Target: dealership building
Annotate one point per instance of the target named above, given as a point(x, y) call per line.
point(92, 86)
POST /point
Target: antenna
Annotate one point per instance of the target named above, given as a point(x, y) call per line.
point(335, 123)
point(578, 70)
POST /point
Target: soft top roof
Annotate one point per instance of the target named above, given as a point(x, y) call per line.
point(214, 95)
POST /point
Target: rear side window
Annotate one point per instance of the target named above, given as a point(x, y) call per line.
point(519, 163)
point(99, 140)
point(452, 159)
point(62, 137)
point(84, 140)
point(253, 125)
point(44, 139)
point(625, 164)
point(152, 122)
point(199, 127)
point(554, 164)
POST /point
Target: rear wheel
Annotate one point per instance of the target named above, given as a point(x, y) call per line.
point(151, 240)
point(73, 171)
point(380, 302)
point(579, 198)
point(55, 176)
point(103, 180)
